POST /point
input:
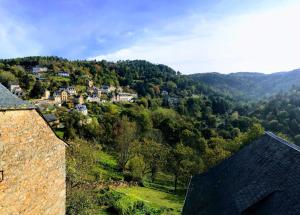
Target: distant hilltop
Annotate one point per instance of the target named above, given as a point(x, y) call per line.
point(142, 76)
point(247, 85)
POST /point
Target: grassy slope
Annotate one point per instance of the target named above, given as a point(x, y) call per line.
point(154, 197)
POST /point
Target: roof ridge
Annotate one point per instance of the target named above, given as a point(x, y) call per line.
point(283, 141)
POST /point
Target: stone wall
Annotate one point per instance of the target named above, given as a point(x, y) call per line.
point(33, 162)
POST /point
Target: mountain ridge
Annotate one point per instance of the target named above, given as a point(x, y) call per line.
point(250, 85)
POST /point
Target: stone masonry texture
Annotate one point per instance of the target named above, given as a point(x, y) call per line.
point(32, 159)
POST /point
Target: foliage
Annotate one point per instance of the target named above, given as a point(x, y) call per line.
point(179, 126)
point(280, 114)
point(250, 86)
point(125, 132)
point(79, 203)
point(81, 158)
point(166, 202)
point(127, 205)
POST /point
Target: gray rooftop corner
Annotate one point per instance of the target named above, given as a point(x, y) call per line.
point(9, 101)
point(262, 178)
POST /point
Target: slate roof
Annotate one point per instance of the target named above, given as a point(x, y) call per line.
point(262, 178)
point(50, 117)
point(9, 101)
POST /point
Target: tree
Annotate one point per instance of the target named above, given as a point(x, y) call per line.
point(6, 78)
point(136, 167)
point(125, 137)
point(297, 139)
point(154, 155)
point(37, 90)
point(180, 156)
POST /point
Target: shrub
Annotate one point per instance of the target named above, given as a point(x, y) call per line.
point(127, 205)
point(107, 197)
point(79, 203)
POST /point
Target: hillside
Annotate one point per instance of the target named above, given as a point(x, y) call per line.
point(280, 114)
point(251, 86)
point(159, 126)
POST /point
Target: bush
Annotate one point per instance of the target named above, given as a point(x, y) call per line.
point(79, 203)
point(127, 205)
point(107, 197)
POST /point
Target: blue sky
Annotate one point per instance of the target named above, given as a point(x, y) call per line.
point(189, 35)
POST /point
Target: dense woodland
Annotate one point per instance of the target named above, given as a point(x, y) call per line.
point(251, 86)
point(158, 141)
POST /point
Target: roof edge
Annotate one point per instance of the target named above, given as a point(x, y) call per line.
point(18, 108)
point(283, 141)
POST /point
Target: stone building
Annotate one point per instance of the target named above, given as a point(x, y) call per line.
point(39, 69)
point(125, 97)
point(32, 161)
point(64, 96)
point(61, 96)
point(16, 90)
point(46, 95)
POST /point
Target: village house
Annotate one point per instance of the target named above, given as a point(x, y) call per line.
point(64, 96)
point(46, 95)
point(16, 90)
point(81, 109)
point(97, 92)
point(125, 97)
point(61, 96)
point(57, 98)
point(95, 99)
point(39, 69)
point(32, 161)
point(107, 89)
point(70, 90)
point(63, 74)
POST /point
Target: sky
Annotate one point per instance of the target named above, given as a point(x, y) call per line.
point(191, 36)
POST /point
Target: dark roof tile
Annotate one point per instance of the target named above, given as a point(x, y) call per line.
point(262, 178)
point(9, 101)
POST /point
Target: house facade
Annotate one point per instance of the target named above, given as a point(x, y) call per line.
point(125, 97)
point(64, 96)
point(39, 69)
point(63, 74)
point(82, 109)
point(32, 161)
point(16, 90)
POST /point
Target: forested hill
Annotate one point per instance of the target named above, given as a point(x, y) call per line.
point(144, 77)
point(172, 128)
point(280, 114)
point(250, 85)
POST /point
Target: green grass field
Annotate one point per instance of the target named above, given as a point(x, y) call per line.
point(108, 166)
point(158, 195)
point(155, 198)
point(59, 79)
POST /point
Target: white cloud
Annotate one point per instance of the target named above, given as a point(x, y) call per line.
point(16, 38)
point(262, 41)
